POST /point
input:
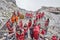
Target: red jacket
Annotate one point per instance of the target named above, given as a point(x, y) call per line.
point(29, 24)
point(47, 22)
point(54, 38)
point(43, 31)
point(20, 24)
point(29, 15)
point(35, 21)
point(37, 16)
point(20, 36)
point(42, 15)
point(39, 26)
point(9, 27)
point(36, 32)
point(25, 30)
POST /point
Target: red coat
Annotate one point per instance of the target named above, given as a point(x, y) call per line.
point(54, 38)
point(29, 24)
point(20, 24)
point(43, 31)
point(42, 15)
point(47, 22)
point(29, 15)
point(25, 30)
point(37, 16)
point(9, 27)
point(35, 21)
point(20, 36)
point(36, 32)
point(39, 26)
point(10, 30)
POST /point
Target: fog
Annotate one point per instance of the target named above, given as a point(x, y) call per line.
point(36, 4)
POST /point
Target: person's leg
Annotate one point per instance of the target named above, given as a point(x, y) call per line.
point(26, 35)
point(31, 36)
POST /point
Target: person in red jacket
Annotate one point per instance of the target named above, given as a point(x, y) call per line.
point(25, 30)
point(9, 27)
point(37, 16)
point(36, 32)
point(42, 15)
point(39, 25)
point(21, 24)
point(43, 32)
point(35, 21)
point(54, 37)
point(46, 22)
point(20, 35)
point(29, 23)
point(31, 31)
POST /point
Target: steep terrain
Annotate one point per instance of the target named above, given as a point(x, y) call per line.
point(53, 13)
point(6, 9)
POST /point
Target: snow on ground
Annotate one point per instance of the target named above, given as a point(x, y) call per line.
point(6, 9)
point(54, 22)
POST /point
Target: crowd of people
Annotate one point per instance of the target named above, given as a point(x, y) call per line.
point(30, 27)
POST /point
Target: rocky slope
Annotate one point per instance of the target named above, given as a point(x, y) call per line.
point(8, 6)
point(6, 9)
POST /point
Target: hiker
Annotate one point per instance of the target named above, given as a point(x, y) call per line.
point(29, 23)
point(35, 21)
point(14, 18)
point(39, 26)
point(54, 37)
point(25, 30)
point(43, 32)
point(31, 31)
point(9, 27)
point(36, 32)
point(37, 16)
point(20, 35)
point(46, 22)
point(21, 24)
point(42, 15)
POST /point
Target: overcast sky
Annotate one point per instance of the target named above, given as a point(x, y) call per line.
point(36, 4)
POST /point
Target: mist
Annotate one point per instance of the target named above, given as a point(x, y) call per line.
point(36, 4)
